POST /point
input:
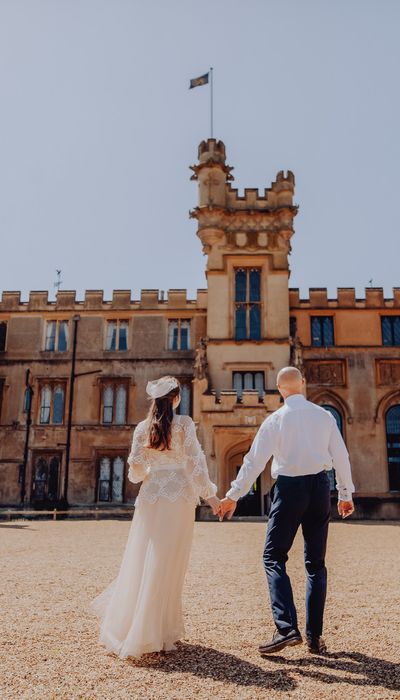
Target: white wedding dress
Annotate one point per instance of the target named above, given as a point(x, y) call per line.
point(141, 610)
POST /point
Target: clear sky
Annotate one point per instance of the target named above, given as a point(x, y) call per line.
point(98, 128)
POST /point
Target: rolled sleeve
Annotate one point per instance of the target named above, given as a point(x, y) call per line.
point(255, 461)
point(341, 464)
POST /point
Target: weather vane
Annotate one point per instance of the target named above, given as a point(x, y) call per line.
point(59, 280)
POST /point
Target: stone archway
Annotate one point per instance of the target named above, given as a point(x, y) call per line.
point(254, 503)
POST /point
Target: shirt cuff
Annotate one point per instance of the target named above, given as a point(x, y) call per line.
point(233, 494)
point(345, 495)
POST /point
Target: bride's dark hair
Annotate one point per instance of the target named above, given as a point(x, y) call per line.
point(160, 419)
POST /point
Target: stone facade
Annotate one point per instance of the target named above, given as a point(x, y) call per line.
point(73, 373)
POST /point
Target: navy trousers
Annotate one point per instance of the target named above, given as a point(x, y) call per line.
point(305, 501)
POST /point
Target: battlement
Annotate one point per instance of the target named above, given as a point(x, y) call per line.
point(280, 194)
point(212, 151)
point(346, 299)
point(38, 301)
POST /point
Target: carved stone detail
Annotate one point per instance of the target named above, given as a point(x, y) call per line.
point(388, 372)
point(330, 373)
point(201, 362)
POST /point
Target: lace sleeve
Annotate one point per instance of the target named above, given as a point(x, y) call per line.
point(138, 467)
point(196, 462)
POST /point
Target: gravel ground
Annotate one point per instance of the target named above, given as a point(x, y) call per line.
point(48, 640)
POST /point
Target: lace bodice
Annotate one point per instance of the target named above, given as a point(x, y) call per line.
point(178, 472)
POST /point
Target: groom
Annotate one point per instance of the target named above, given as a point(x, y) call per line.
point(305, 441)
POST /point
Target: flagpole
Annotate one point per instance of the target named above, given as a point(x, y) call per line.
point(211, 103)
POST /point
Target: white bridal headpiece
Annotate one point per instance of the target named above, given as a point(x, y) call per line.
point(161, 387)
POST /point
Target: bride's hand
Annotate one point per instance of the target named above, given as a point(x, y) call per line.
point(215, 504)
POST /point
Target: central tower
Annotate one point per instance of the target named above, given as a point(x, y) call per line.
point(246, 239)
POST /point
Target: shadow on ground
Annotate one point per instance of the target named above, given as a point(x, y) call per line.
point(217, 665)
point(360, 670)
point(17, 527)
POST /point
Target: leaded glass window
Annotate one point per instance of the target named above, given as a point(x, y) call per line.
point(117, 335)
point(322, 331)
point(120, 405)
point(45, 404)
point(51, 335)
point(392, 422)
point(390, 330)
point(179, 334)
point(56, 336)
point(114, 403)
point(108, 404)
point(111, 478)
point(46, 477)
point(51, 404)
point(118, 479)
point(184, 408)
point(247, 304)
point(3, 336)
point(104, 479)
point(248, 381)
point(62, 335)
point(58, 404)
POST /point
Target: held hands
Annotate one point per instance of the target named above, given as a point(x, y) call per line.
point(227, 507)
point(345, 508)
point(215, 504)
point(221, 508)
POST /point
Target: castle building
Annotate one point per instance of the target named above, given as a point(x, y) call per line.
point(73, 373)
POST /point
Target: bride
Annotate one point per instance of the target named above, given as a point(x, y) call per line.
point(141, 610)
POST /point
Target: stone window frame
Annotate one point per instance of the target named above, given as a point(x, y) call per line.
point(248, 302)
point(57, 321)
point(115, 383)
point(53, 384)
point(253, 372)
point(118, 321)
point(3, 336)
point(112, 453)
point(319, 315)
point(391, 318)
point(179, 320)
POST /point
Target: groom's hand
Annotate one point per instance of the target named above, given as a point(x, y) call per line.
point(345, 508)
point(227, 507)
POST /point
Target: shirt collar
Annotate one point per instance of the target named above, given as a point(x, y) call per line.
point(294, 398)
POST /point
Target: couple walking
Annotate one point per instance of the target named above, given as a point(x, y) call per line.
point(141, 610)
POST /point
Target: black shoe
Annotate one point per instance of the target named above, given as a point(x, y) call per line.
point(315, 645)
point(280, 641)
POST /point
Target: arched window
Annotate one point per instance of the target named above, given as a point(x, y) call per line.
point(339, 422)
point(111, 478)
point(392, 422)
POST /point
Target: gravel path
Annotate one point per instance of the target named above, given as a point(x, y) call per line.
point(48, 639)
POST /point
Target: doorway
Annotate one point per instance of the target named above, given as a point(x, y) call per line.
point(46, 474)
point(250, 504)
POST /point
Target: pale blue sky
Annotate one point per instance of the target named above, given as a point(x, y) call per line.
point(98, 129)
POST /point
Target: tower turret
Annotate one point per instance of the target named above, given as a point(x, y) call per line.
point(212, 174)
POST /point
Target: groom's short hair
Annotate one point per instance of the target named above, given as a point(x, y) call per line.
point(289, 375)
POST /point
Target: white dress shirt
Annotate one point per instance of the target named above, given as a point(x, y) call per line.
point(304, 439)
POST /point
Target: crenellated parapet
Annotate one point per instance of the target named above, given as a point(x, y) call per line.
point(346, 299)
point(38, 301)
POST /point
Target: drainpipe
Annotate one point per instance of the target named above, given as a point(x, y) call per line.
point(75, 320)
point(28, 411)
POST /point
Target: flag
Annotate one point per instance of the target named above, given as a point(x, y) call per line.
point(202, 80)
